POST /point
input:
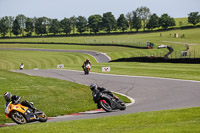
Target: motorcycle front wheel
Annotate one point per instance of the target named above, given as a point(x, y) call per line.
point(18, 117)
point(42, 117)
point(122, 106)
point(105, 105)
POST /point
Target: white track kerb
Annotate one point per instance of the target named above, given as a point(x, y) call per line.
point(131, 99)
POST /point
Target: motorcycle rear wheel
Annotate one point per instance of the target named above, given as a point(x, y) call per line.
point(18, 117)
point(86, 72)
point(106, 106)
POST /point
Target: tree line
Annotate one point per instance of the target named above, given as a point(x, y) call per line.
point(137, 19)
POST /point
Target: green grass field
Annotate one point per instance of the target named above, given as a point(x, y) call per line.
point(113, 52)
point(48, 89)
point(170, 121)
point(49, 60)
point(192, 38)
point(42, 60)
point(54, 97)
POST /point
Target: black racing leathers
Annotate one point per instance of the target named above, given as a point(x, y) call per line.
point(104, 90)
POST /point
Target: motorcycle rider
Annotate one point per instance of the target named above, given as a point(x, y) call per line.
point(87, 61)
point(16, 99)
point(21, 66)
point(94, 87)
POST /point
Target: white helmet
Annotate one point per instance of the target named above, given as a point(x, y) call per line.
point(7, 96)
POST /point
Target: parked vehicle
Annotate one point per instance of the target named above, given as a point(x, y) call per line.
point(22, 114)
point(107, 102)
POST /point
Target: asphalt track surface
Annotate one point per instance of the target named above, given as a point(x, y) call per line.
point(149, 93)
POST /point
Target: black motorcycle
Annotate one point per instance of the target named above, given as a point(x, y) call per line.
point(107, 102)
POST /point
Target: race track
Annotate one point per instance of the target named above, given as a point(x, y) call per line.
point(150, 94)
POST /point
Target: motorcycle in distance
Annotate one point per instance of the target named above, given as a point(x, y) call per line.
point(22, 114)
point(87, 69)
point(107, 102)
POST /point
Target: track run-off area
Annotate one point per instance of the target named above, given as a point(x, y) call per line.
point(149, 93)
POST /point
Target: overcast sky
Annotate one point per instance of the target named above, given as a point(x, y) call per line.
point(67, 8)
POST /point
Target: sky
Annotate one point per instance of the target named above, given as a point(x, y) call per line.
point(59, 9)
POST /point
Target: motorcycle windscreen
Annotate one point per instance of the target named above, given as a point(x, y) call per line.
point(7, 105)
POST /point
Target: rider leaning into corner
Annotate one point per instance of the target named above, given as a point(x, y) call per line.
point(94, 87)
point(16, 100)
point(87, 61)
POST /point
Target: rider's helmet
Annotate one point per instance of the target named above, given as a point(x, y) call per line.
point(87, 60)
point(93, 87)
point(7, 96)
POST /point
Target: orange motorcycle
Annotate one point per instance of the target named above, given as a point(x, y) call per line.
point(22, 114)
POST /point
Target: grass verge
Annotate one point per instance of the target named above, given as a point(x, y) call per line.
point(178, 120)
point(54, 97)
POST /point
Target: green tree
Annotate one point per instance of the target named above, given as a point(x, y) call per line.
point(109, 22)
point(21, 19)
point(122, 23)
point(54, 26)
point(144, 14)
point(34, 24)
point(9, 23)
point(4, 26)
point(129, 17)
point(81, 24)
point(94, 23)
point(66, 25)
point(47, 23)
point(40, 27)
point(16, 27)
point(166, 21)
point(194, 18)
point(153, 22)
point(29, 26)
point(73, 23)
point(136, 21)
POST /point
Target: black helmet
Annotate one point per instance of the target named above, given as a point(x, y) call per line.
point(7, 96)
point(93, 86)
